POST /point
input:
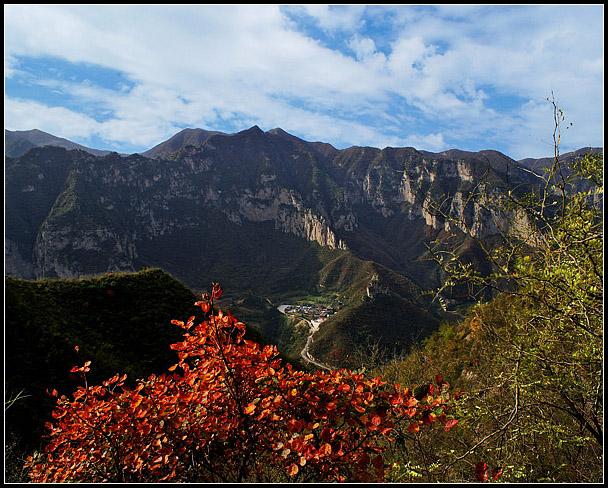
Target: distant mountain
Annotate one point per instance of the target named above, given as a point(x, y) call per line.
point(537, 164)
point(18, 142)
point(267, 214)
point(541, 167)
point(198, 137)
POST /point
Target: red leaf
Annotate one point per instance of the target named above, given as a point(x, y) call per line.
point(450, 424)
point(396, 399)
point(217, 291)
point(249, 409)
point(481, 471)
point(325, 450)
point(136, 402)
point(357, 407)
point(428, 418)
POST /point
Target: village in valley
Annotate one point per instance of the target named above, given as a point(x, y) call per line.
point(309, 311)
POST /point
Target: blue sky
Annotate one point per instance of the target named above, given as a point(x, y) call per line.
point(433, 77)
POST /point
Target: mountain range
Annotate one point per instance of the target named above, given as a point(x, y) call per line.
point(265, 213)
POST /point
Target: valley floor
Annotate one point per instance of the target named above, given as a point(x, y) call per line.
point(314, 327)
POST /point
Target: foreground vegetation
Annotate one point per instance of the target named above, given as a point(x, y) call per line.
point(530, 361)
point(230, 411)
point(118, 320)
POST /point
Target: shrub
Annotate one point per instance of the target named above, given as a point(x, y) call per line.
point(230, 411)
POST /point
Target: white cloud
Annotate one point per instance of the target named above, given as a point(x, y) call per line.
point(429, 142)
point(436, 84)
point(363, 47)
point(25, 114)
point(332, 18)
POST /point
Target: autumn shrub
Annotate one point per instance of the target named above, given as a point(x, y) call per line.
point(230, 411)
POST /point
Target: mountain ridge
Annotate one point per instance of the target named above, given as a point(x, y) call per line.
point(307, 189)
point(17, 143)
point(198, 136)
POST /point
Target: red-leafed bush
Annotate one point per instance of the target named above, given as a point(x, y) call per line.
point(229, 410)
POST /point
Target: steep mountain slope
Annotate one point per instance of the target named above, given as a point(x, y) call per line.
point(18, 142)
point(382, 309)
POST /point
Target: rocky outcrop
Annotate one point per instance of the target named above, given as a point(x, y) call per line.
point(448, 195)
point(375, 287)
point(284, 208)
point(309, 226)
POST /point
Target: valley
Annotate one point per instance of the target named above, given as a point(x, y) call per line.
point(315, 316)
point(272, 217)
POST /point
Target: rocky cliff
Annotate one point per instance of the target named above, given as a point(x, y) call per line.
point(71, 213)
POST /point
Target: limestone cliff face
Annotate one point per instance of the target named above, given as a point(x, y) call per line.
point(283, 207)
point(109, 208)
point(447, 194)
point(309, 226)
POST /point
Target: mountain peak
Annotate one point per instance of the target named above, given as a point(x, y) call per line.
point(185, 137)
point(18, 142)
point(253, 130)
point(277, 131)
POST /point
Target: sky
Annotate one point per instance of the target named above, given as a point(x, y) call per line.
point(126, 78)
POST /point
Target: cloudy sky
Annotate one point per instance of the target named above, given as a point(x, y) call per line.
point(128, 77)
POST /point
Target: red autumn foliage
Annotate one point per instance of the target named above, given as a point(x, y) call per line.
point(482, 472)
point(230, 410)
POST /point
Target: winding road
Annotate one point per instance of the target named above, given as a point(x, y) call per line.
point(313, 327)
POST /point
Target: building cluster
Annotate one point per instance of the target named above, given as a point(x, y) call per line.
point(311, 311)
